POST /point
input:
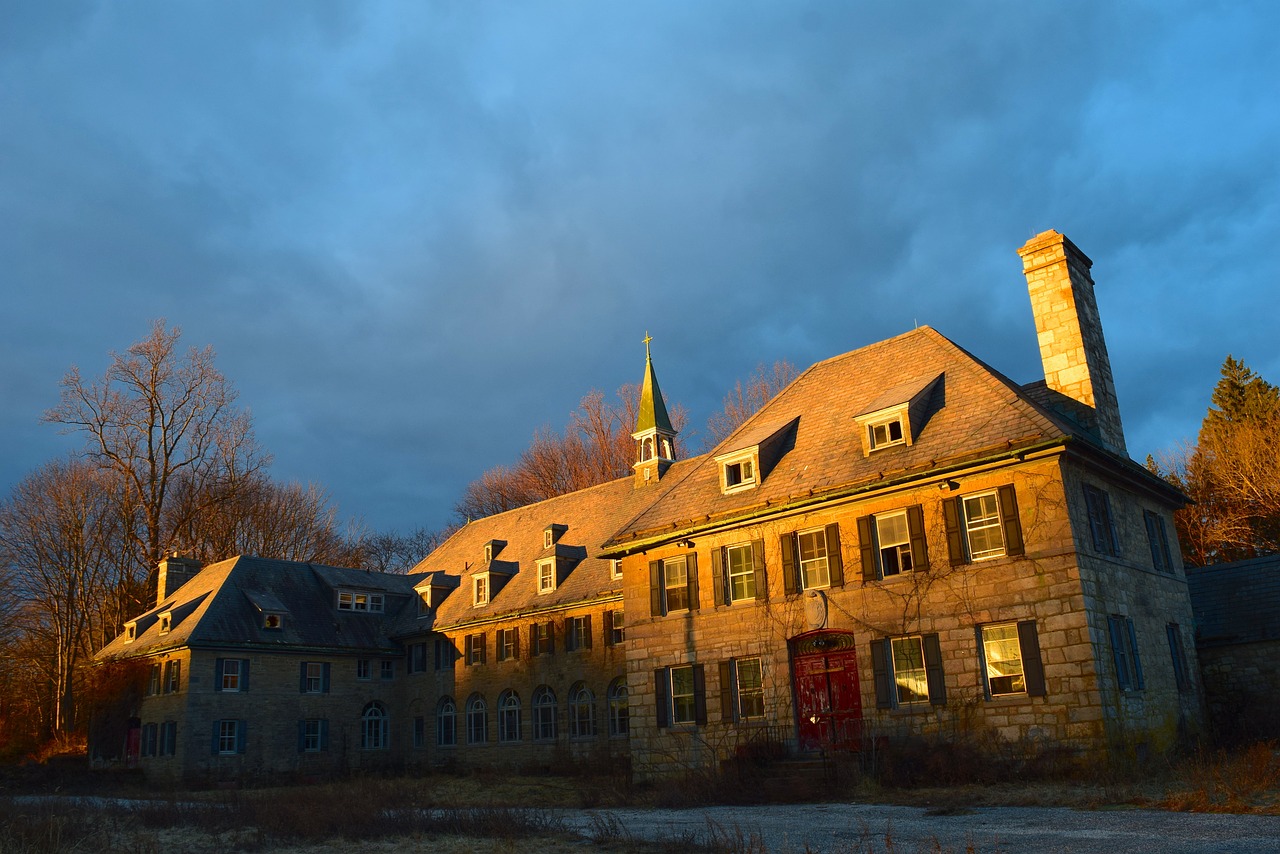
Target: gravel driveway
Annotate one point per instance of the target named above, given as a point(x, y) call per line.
point(840, 828)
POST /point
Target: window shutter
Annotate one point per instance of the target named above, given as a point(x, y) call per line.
point(699, 695)
point(217, 675)
point(213, 747)
point(880, 670)
point(244, 674)
point(955, 539)
point(1013, 545)
point(1115, 625)
point(656, 599)
point(302, 677)
point(982, 659)
point(324, 679)
point(835, 561)
point(1032, 666)
point(1138, 681)
point(719, 596)
point(570, 638)
point(919, 542)
point(586, 635)
point(533, 639)
point(692, 564)
point(608, 628)
point(787, 544)
point(1111, 524)
point(482, 640)
point(867, 550)
point(551, 637)
point(933, 670)
point(515, 642)
point(661, 690)
point(757, 564)
point(324, 733)
point(242, 735)
point(302, 736)
point(726, 691)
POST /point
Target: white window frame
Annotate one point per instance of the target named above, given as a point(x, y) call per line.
point(739, 471)
point(479, 590)
point(901, 549)
point(374, 727)
point(906, 670)
point(683, 701)
point(615, 568)
point(548, 538)
point(880, 432)
point(749, 692)
point(819, 564)
point(166, 622)
point(544, 714)
point(477, 720)
point(982, 525)
point(446, 723)
point(360, 601)
point(387, 670)
point(546, 576)
point(314, 678)
point(745, 577)
point(619, 708)
point(311, 735)
point(681, 583)
point(228, 737)
point(232, 681)
point(509, 717)
point(576, 636)
point(997, 639)
point(507, 640)
point(618, 628)
point(582, 712)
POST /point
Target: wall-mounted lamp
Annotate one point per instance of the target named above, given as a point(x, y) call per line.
point(688, 544)
point(948, 485)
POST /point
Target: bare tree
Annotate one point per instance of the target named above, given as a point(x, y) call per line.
point(60, 537)
point(746, 399)
point(394, 552)
point(157, 416)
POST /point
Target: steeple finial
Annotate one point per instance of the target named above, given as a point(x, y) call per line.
point(647, 339)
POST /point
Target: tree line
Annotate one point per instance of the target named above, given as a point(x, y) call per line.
point(169, 464)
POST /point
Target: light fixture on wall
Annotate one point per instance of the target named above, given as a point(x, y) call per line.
point(948, 485)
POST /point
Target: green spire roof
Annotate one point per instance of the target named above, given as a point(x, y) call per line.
point(653, 410)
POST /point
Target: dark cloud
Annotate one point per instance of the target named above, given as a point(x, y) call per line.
point(417, 232)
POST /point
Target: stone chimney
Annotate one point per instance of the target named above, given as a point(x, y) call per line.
point(174, 572)
point(1077, 370)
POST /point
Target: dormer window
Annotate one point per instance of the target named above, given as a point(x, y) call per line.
point(552, 535)
point(546, 539)
point(358, 600)
point(739, 470)
point(272, 622)
point(130, 631)
point(881, 434)
point(166, 623)
point(546, 576)
point(615, 569)
point(480, 590)
point(488, 553)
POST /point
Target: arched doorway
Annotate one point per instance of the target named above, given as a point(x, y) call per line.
point(824, 679)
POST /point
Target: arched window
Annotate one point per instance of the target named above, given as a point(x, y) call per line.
point(666, 449)
point(582, 711)
point(509, 716)
point(544, 714)
point(646, 449)
point(446, 723)
point(373, 727)
point(477, 720)
point(619, 720)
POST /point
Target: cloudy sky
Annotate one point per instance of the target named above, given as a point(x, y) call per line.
point(416, 232)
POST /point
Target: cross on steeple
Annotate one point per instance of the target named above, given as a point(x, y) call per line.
point(647, 339)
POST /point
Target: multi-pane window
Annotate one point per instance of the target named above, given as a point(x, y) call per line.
point(388, 669)
point(982, 525)
point(544, 714)
point(1002, 655)
point(543, 638)
point(353, 600)
point(362, 668)
point(619, 712)
point(173, 677)
point(910, 681)
point(675, 582)
point(374, 727)
point(509, 716)
point(683, 702)
point(477, 720)
point(475, 648)
point(1158, 538)
point(148, 745)
point(508, 644)
point(1102, 530)
point(582, 711)
point(894, 541)
point(446, 723)
point(417, 658)
point(740, 572)
point(615, 568)
point(815, 571)
point(228, 736)
point(750, 684)
point(312, 677)
point(884, 433)
point(739, 474)
point(233, 674)
point(577, 633)
point(168, 738)
point(153, 684)
point(480, 590)
point(445, 654)
point(615, 627)
point(311, 736)
point(546, 576)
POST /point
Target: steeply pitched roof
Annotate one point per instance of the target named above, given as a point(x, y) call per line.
point(973, 412)
point(653, 409)
point(591, 515)
point(224, 604)
point(1237, 602)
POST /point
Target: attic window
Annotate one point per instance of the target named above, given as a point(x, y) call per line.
point(488, 553)
point(166, 622)
point(552, 535)
point(546, 576)
point(881, 434)
point(273, 621)
point(615, 569)
point(480, 590)
point(130, 631)
point(358, 600)
point(739, 470)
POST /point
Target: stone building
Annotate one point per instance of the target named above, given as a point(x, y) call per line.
point(903, 543)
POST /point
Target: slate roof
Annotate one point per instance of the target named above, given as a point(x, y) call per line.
point(591, 514)
point(1236, 602)
point(973, 412)
point(222, 606)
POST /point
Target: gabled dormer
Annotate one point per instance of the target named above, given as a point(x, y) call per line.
point(433, 589)
point(897, 416)
point(271, 611)
point(492, 549)
point(488, 582)
point(552, 533)
point(754, 454)
point(654, 435)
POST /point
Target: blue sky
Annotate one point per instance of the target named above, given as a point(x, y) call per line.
point(416, 232)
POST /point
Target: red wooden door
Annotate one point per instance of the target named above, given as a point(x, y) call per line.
point(828, 702)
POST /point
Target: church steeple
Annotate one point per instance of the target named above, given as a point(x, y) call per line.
point(654, 435)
